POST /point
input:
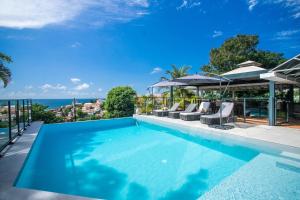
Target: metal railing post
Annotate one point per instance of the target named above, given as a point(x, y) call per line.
point(30, 110)
point(244, 108)
point(287, 112)
point(275, 110)
point(24, 120)
point(28, 122)
point(152, 103)
point(18, 116)
point(221, 109)
point(9, 120)
point(74, 109)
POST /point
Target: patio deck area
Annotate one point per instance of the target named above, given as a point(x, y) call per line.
point(273, 135)
point(293, 123)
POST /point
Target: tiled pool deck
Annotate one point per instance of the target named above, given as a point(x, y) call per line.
point(248, 179)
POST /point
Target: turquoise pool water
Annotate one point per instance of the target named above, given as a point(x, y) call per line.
point(129, 159)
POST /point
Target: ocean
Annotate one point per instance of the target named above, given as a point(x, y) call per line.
point(56, 103)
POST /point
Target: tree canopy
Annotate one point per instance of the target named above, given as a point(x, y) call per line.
point(239, 49)
point(176, 72)
point(5, 73)
point(40, 113)
point(120, 102)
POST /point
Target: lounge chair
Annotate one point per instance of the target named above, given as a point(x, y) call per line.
point(192, 116)
point(226, 107)
point(176, 114)
point(163, 113)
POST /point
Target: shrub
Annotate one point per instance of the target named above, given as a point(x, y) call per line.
point(40, 113)
point(120, 102)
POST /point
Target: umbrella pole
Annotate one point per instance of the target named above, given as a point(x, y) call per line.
point(197, 95)
point(221, 126)
point(152, 99)
point(171, 96)
point(220, 103)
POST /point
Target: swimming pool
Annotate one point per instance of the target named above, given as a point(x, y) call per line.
point(131, 159)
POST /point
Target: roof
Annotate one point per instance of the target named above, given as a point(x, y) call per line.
point(245, 70)
point(287, 72)
point(248, 69)
point(290, 66)
point(249, 63)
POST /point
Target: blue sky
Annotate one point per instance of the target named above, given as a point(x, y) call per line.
point(82, 48)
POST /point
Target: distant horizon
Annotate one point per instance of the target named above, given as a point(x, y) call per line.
point(62, 49)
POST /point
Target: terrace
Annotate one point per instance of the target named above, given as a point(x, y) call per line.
point(249, 150)
point(279, 107)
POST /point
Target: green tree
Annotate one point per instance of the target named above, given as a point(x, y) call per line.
point(120, 102)
point(80, 114)
point(40, 113)
point(239, 49)
point(176, 72)
point(5, 74)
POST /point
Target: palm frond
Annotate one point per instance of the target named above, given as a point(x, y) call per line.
point(164, 78)
point(5, 58)
point(5, 74)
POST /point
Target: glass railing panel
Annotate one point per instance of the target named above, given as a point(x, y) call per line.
point(4, 124)
point(14, 122)
point(26, 112)
point(30, 110)
point(21, 115)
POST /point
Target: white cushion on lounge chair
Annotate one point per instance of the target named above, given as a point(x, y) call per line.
point(173, 108)
point(189, 109)
point(190, 113)
point(204, 106)
point(226, 111)
point(160, 110)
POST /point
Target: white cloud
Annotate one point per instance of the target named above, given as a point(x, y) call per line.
point(292, 5)
point(252, 4)
point(19, 37)
point(20, 95)
point(40, 13)
point(82, 86)
point(287, 34)
point(217, 34)
point(143, 13)
point(76, 45)
point(187, 4)
point(75, 80)
point(156, 70)
point(297, 15)
point(100, 89)
point(182, 5)
point(47, 87)
point(28, 87)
